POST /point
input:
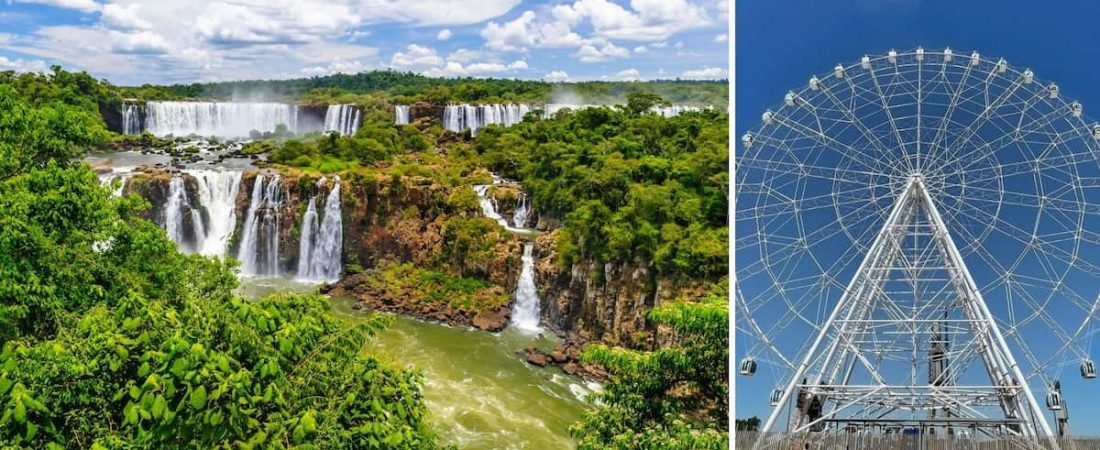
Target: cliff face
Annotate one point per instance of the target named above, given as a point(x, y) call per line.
point(604, 302)
point(406, 220)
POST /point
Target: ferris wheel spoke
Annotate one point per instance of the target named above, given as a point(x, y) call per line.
point(826, 142)
point(868, 135)
point(972, 130)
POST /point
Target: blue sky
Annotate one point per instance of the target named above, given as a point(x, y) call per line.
point(780, 43)
point(133, 42)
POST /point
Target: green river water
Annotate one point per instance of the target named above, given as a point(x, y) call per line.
point(480, 394)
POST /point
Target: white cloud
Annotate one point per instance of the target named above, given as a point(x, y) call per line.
point(511, 36)
point(336, 66)
point(138, 43)
point(444, 34)
point(123, 17)
point(461, 62)
point(590, 53)
point(721, 38)
point(641, 49)
point(628, 75)
point(79, 5)
point(704, 73)
point(556, 75)
point(416, 57)
point(661, 44)
point(22, 65)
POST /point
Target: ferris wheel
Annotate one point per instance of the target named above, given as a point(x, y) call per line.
point(918, 245)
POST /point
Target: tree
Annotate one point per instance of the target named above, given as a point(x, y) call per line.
point(750, 424)
point(670, 398)
point(641, 102)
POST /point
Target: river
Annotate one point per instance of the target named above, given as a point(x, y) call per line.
point(479, 392)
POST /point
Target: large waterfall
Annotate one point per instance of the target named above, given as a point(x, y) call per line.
point(222, 119)
point(343, 118)
point(400, 114)
point(131, 119)
point(218, 199)
point(525, 312)
point(211, 215)
point(174, 208)
point(458, 118)
point(259, 249)
point(319, 251)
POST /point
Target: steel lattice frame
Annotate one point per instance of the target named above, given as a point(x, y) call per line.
point(917, 239)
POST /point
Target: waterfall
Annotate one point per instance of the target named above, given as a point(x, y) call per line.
point(519, 219)
point(131, 119)
point(674, 110)
point(525, 312)
point(173, 211)
point(489, 209)
point(223, 119)
point(217, 197)
point(458, 118)
point(319, 254)
point(121, 173)
point(401, 114)
point(343, 118)
point(259, 248)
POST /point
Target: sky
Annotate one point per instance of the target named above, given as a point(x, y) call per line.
point(781, 43)
point(181, 41)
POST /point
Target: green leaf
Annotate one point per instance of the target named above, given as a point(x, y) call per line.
point(20, 414)
point(32, 430)
point(159, 404)
point(198, 397)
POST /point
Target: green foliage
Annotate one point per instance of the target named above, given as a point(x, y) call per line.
point(31, 136)
point(378, 88)
point(469, 243)
point(112, 339)
point(406, 281)
point(670, 398)
point(629, 185)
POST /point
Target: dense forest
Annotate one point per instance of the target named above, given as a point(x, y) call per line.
point(406, 87)
point(113, 339)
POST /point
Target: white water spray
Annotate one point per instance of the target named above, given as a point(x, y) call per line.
point(319, 255)
point(223, 119)
point(343, 119)
point(217, 192)
point(400, 114)
point(525, 311)
point(459, 118)
point(259, 248)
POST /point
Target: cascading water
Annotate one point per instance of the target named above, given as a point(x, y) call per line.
point(343, 118)
point(400, 114)
point(217, 196)
point(319, 254)
point(223, 119)
point(489, 209)
point(121, 173)
point(131, 119)
point(174, 207)
point(674, 110)
point(519, 219)
point(458, 118)
point(259, 249)
point(525, 311)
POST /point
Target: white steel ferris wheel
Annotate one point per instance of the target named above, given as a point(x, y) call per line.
point(918, 245)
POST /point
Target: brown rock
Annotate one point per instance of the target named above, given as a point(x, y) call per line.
point(536, 357)
point(492, 320)
point(571, 368)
